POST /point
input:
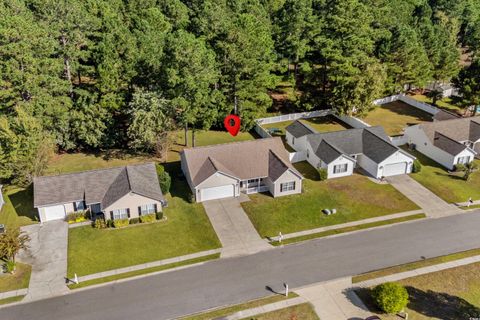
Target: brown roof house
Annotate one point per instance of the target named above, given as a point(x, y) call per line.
point(225, 170)
point(117, 193)
point(448, 142)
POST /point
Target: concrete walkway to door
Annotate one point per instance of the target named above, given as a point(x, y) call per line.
point(431, 204)
point(233, 227)
point(47, 253)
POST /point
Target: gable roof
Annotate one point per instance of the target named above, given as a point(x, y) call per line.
point(443, 115)
point(299, 129)
point(104, 186)
point(242, 160)
point(448, 145)
point(372, 142)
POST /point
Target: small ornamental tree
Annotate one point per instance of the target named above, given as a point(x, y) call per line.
point(417, 166)
point(390, 297)
point(469, 169)
point(323, 173)
point(164, 179)
point(11, 242)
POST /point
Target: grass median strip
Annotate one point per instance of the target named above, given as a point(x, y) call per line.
point(11, 299)
point(350, 229)
point(303, 311)
point(415, 265)
point(143, 271)
point(214, 314)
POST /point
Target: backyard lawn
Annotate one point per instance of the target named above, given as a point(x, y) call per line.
point(354, 197)
point(18, 208)
point(448, 104)
point(395, 116)
point(450, 187)
point(187, 230)
point(449, 294)
point(19, 280)
point(321, 124)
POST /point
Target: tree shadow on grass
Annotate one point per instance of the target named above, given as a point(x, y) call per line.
point(179, 187)
point(22, 202)
point(441, 305)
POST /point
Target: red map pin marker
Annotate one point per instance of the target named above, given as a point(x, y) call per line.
point(232, 124)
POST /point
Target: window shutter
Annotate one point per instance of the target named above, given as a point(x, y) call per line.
point(111, 215)
point(128, 212)
point(75, 206)
point(139, 211)
point(155, 206)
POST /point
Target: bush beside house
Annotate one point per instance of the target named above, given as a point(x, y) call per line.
point(164, 179)
point(323, 174)
point(417, 166)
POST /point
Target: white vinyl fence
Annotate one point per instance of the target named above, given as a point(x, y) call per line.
point(399, 140)
point(297, 156)
point(353, 122)
point(294, 116)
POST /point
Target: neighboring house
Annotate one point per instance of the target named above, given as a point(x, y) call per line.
point(340, 152)
point(446, 89)
point(2, 202)
point(225, 170)
point(443, 115)
point(117, 193)
point(447, 142)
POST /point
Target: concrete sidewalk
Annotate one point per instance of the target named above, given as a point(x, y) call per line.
point(47, 253)
point(349, 224)
point(431, 204)
point(233, 227)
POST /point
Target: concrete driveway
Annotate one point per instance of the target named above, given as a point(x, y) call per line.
point(48, 256)
point(233, 227)
point(431, 204)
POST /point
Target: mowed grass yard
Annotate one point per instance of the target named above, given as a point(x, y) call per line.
point(450, 187)
point(395, 116)
point(321, 124)
point(449, 294)
point(303, 311)
point(449, 104)
point(186, 230)
point(355, 198)
point(19, 280)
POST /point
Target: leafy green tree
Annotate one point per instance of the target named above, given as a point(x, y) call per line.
point(468, 83)
point(164, 179)
point(11, 242)
point(150, 122)
point(391, 297)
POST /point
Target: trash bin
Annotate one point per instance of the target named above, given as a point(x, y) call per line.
point(2, 228)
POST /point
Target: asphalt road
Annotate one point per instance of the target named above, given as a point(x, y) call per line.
point(234, 280)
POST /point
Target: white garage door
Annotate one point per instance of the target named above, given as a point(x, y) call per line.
point(395, 169)
point(54, 212)
point(217, 192)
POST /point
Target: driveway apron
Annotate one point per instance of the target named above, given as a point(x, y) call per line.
point(233, 227)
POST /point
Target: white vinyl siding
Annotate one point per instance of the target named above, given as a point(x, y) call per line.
point(287, 186)
point(340, 168)
point(463, 160)
point(147, 209)
point(120, 214)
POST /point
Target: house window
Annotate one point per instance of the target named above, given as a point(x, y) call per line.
point(148, 209)
point(79, 206)
point(463, 160)
point(287, 186)
point(120, 214)
point(252, 181)
point(340, 168)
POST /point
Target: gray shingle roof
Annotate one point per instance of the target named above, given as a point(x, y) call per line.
point(243, 160)
point(443, 115)
point(372, 142)
point(448, 145)
point(276, 167)
point(103, 186)
point(299, 129)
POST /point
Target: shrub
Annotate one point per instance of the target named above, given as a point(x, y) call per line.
point(78, 216)
point(323, 173)
point(100, 223)
point(164, 179)
point(110, 223)
point(417, 166)
point(148, 218)
point(134, 221)
point(10, 266)
point(459, 167)
point(390, 297)
point(191, 198)
point(120, 223)
point(159, 215)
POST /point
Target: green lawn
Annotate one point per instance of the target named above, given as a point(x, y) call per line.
point(448, 104)
point(321, 124)
point(395, 116)
point(449, 294)
point(449, 187)
point(19, 280)
point(187, 230)
point(18, 208)
point(354, 197)
point(303, 311)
